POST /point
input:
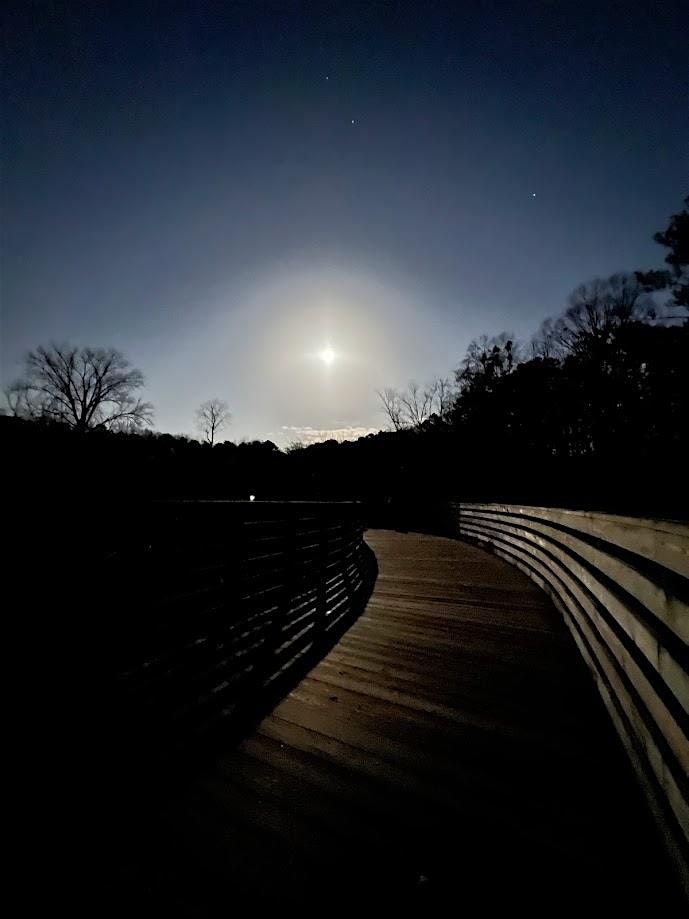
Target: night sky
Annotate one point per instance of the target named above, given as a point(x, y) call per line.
point(222, 190)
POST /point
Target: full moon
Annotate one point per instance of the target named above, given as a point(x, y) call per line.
point(327, 355)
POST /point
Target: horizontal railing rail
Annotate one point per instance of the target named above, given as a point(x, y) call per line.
point(221, 605)
point(622, 584)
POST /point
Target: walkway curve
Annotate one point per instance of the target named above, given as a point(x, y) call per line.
point(450, 751)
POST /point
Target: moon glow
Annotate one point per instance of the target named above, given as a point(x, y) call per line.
point(327, 355)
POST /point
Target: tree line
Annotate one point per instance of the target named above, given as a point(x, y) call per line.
point(90, 389)
point(592, 409)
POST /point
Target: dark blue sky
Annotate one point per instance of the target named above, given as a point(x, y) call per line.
point(184, 181)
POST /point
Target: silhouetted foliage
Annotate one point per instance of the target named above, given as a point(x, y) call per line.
point(592, 413)
point(595, 415)
point(676, 239)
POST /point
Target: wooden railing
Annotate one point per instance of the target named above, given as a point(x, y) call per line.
point(623, 586)
point(224, 605)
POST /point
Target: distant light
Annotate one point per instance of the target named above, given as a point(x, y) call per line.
point(327, 355)
point(533, 194)
point(353, 122)
point(252, 497)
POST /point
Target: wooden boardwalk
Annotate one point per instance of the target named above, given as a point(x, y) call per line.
point(449, 752)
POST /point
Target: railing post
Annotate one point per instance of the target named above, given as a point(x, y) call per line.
point(321, 604)
point(241, 607)
point(281, 615)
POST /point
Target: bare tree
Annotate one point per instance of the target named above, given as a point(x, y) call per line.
point(416, 403)
point(411, 407)
point(86, 388)
point(18, 402)
point(211, 417)
point(443, 396)
point(412, 402)
point(392, 406)
point(595, 309)
point(486, 361)
point(543, 343)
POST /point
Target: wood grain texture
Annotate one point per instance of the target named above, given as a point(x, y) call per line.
point(449, 752)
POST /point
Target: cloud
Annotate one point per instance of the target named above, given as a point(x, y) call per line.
point(307, 435)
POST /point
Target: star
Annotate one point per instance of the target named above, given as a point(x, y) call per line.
point(533, 194)
point(353, 122)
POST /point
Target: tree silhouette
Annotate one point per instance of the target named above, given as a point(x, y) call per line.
point(676, 239)
point(596, 310)
point(486, 361)
point(543, 343)
point(85, 388)
point(392, 406)
point(414, 406)
point(211, 417)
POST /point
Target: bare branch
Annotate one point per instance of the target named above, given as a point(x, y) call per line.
point(486, 361)
point(596, 309)
point(83, 387)
point(412, 407)
point(211, 417)
point(392, 406)
point(544, 343)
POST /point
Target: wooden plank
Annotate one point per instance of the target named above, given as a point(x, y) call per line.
point(449, 752)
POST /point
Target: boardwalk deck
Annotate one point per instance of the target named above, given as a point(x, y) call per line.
point(450, 751)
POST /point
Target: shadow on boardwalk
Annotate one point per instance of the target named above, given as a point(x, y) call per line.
point(449, 752)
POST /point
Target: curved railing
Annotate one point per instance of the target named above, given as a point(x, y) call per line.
point(623, 586)
point(223, 606)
